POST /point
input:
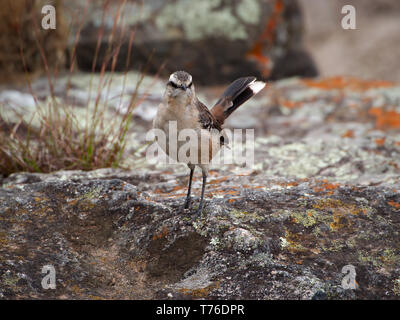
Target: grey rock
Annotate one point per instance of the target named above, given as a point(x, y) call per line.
point(323, 193)
point(108, 238)
point(216, 41)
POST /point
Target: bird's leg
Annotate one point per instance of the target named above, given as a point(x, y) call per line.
point(188, 198)
point(203, 187)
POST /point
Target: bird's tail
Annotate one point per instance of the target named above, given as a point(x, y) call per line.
point(235, 95)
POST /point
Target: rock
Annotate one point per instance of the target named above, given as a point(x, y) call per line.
point(116, 234)
point(323, 193)
point(17, 99)
point(216, 41)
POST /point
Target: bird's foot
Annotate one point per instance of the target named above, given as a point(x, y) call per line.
point(198, 212)
point(188, 203)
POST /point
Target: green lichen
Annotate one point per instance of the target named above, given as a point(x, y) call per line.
point(3, 239)
point(200, 19)
point(311, 218)
point(366, 258)
point(307, 219)
point(9, 280)
point(249, 11)
point(351, 243)
point(389, 256)
point(293, 242)
point(302, 160)
point(245, 216)
point(334, 246)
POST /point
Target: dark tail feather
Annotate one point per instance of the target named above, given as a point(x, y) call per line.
point(234, 96)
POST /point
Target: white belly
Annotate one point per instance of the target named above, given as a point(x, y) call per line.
point(185, 141)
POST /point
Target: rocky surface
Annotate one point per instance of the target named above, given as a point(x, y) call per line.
point(237, 37)
point(323, 192)
point(113, 234)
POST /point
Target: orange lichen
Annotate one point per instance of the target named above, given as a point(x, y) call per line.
point(218, 180)
point(385, 119)
point(93, 297)
point(348, 134)
point(324, 185)
point(200, 292)
point(341, 83)
point(76, 289)
point(230, 192)
point(394, 164)
point(163, 233)
point(339, 221)
point(266, 39)
point(213, 173)
point(340, 212)
point(380, 142)
point(296, 241)
point(291, 104)
point(394, 204)
point(339, 207)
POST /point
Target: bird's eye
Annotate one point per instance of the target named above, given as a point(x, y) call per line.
point(173, 84)
point(190, 84)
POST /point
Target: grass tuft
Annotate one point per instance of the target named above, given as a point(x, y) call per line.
point(61, 139)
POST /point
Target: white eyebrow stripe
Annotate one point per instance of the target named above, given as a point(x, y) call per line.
point(172, 78)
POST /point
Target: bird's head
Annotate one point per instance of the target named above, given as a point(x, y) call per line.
point(180, 87)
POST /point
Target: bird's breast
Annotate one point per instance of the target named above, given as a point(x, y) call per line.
point(186, 140)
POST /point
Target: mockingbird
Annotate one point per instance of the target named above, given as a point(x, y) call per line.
point(181, 107)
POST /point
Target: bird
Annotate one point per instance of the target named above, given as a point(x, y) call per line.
point(181, 107)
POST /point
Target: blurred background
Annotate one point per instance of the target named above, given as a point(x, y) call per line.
point(370, 51)
point(216, 41)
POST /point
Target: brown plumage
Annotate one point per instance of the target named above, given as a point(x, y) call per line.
point(233, 97)
point(180, 104)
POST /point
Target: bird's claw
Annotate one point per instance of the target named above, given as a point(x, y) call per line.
point(199, 211)
point(188, 202)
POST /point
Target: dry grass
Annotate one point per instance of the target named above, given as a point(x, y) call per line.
point(61, 141)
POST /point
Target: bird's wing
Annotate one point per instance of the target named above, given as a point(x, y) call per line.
point(234, 96)
point(206, 118)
